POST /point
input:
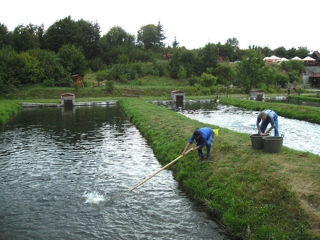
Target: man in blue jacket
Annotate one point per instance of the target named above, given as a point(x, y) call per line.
point(268, 116)
point(204, 137)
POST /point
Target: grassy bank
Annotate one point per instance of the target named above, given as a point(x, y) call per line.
point(7, 110)
point(255, 195)
point(307, 113)
point(309, 98)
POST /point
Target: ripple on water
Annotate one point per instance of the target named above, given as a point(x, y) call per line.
point(69, 178)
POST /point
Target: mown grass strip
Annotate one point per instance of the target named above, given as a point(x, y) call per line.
point(306, 113)
point(7, 110)
point(309, 98)
point(249, 191)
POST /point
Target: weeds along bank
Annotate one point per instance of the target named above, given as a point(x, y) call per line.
point(8, 109)
point(301, 112)
point(114, 91)
point(250, 192)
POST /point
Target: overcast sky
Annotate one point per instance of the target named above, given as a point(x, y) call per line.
point(194, 23)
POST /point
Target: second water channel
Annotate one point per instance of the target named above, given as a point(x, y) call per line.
point(298, 135)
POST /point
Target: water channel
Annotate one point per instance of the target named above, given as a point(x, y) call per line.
point(66, 175)
point(298, 135)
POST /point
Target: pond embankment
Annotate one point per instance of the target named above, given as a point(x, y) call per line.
point(7, 110)
point(254, 195)
point(307, 113)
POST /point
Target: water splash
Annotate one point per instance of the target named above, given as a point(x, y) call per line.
point(94, 197)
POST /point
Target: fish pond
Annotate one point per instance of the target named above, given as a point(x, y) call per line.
point(66, 174)
point(298, 135)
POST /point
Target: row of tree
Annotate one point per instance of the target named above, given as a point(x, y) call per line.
point(30, 55)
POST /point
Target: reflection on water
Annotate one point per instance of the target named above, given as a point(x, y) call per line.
point(67, 175)
point(299, 135)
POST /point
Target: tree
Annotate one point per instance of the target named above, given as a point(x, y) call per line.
point(26, 37)
point(233, 42)
point(188, 59)
point(72, 59)
point(162, 37)
point(4, 36)
point(82, 34)
point(266, 51)
point(116, 37)
point(250, 70)
point(115, 45)
point(151, 36)
point(175, 44)
point(280, 52)
point(209, 56)
point(302, 52)
point(60, 33)
point(54, 74)
point(224, 72)
point(207, 80)
point(291, 53)
point(87, 38)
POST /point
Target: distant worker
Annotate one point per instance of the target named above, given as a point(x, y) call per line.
point(204, 137)
point(268, 116)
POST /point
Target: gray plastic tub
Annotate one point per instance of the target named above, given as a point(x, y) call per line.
point(272, 144)
point(256, 141)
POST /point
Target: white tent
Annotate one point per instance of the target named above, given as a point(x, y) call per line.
point(275, 58)
point(308, 59)
point(272, 59)
point(296, 58)
point(284, 59)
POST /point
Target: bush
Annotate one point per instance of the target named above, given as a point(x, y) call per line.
point(109, 86)
point(207, 80)
point(102, 75)
point(72, 59)
point(53, 72)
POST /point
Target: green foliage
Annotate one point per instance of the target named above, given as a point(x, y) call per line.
point(207, 80)
point(131, 71)
point(26, 37)
point(110, 86)
point(31, 72)
point(102, 75)
point(10, 66)
point(4, 36)
point(250, 70)
point(95, 64)
point(53, 71)
point(294, 70)
point(189, 60)
point(209, 56)
point(117, 36)
point(82, 34)
point(72, 59)
point(7, 110)
point(151, 36)
point(182, 73)
point(225, 74)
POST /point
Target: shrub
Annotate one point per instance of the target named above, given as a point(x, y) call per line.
point(109, 86)
point(53, 72)
point(72, 59)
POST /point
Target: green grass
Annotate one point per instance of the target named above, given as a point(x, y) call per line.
point(310, 98)
point(8, 109)
point(255, 195)
point(307, 113)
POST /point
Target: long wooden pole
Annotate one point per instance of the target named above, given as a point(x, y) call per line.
point(170, 163)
